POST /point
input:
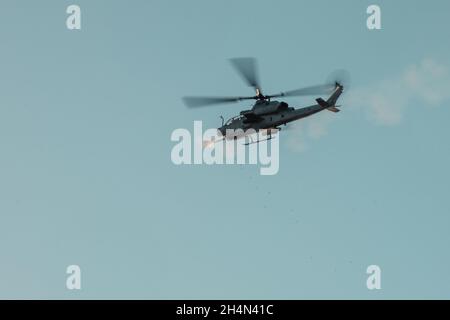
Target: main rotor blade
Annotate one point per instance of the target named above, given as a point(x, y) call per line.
point(308, 91)
point(248, 70)
point(193, 102)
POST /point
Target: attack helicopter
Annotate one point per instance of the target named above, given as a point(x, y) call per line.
point(267, 114)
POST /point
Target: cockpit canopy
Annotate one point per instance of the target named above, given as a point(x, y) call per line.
point(229, 121)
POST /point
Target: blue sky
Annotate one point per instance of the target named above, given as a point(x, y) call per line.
point(86, 176)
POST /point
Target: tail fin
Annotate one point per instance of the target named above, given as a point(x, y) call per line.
point(333, 109)
point(330, 104)
point(336, 94)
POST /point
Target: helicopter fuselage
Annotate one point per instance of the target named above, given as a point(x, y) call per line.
point(267, 115)
point(270, 116)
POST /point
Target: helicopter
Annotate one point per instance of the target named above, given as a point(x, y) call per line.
point(267, 114)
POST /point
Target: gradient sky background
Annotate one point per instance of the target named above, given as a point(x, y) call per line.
point(86, 176)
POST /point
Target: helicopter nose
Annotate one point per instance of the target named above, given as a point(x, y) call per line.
point(221, 131)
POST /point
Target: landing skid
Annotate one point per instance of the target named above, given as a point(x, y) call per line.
point(269, 137)
point(257, 141)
